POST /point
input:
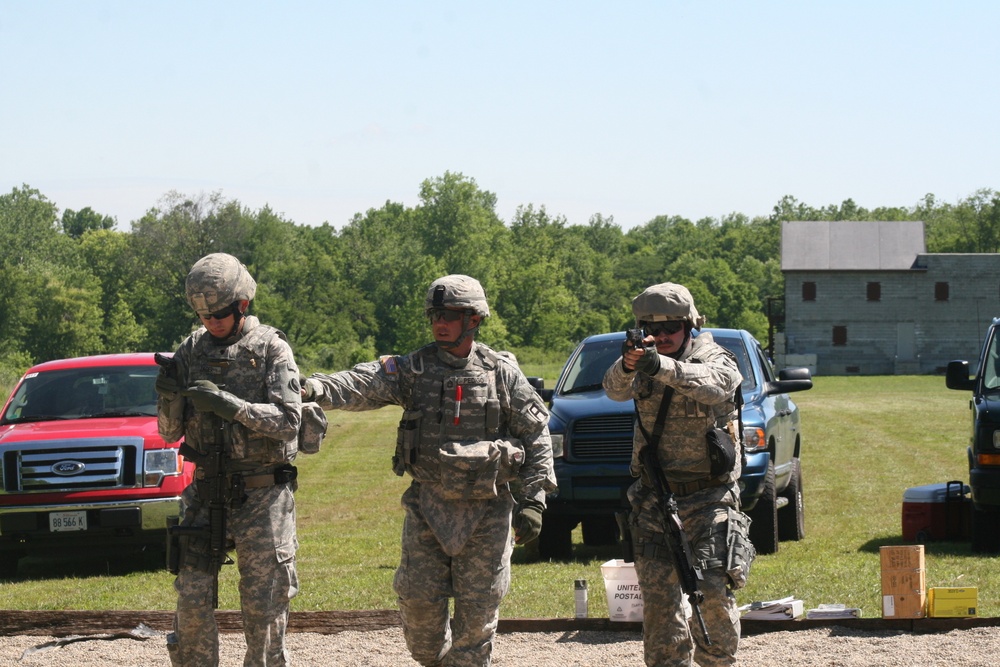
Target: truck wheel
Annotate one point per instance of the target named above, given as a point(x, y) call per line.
point(764, 517)
point(556, 539)
point(985, 531)
point(600, 531)
point(791, 519)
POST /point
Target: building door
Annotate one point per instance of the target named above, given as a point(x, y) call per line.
point(905, 341)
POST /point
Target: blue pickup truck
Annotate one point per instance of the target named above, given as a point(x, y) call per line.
point(592, 441)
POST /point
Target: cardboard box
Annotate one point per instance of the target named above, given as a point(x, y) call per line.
point(945, 602)
point(904, 587)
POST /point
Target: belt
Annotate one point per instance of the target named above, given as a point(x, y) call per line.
point(281, 475)
point(687, 488)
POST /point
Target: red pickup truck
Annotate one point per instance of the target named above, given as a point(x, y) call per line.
point(82, 462)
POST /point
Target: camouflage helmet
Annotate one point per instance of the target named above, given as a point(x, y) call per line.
point(666, 301)
point(457, 291)
point(216, 281)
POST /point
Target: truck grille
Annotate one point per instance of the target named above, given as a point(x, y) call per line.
point(109, 463)
point(602, 438)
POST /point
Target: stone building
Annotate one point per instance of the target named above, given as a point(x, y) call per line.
point(865, 298)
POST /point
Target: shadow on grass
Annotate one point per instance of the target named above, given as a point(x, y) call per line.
point(92, 562)
point(582, 553)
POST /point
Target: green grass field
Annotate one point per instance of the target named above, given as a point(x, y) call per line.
point(865, 440)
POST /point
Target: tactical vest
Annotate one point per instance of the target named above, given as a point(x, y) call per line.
point(451, 429)
point(239, 368)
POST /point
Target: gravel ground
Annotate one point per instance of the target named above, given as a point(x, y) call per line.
point(825, 647)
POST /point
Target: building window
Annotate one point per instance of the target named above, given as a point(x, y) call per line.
point(808, 291)
point(940, 291)
point(840, 335)
point(874, 291)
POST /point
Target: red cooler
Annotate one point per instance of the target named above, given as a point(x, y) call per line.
point(937, 512)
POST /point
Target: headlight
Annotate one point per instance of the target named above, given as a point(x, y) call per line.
point(557, 444)
point(158, 463)
point(754, 440)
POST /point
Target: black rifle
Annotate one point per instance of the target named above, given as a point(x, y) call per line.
point(680, 547)
point(215, 487)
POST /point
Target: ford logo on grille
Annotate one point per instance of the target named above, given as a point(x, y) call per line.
point(69, 468)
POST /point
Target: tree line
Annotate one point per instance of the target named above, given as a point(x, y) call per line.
point(73, 284)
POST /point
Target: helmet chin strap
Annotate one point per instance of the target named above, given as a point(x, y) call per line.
point(238, 316)
point(684, 344)
point(466, 332)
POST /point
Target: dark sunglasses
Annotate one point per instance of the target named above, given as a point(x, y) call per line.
point(222, 314)
point(438, 314)
point(669, 327)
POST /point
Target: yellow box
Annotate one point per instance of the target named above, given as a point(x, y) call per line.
point(945, 602)
point(904, 587)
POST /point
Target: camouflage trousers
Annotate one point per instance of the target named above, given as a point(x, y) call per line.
point(477, 578)
point(670, 638)
point(263, 530)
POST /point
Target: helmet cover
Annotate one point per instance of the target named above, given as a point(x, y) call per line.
point(216, 281)
point(457, 291)
point(666, 301)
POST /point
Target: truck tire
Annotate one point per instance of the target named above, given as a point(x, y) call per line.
point(600, 531)
point(556, 539)
point(791, 519)
point(764, 517)
point(985, 531)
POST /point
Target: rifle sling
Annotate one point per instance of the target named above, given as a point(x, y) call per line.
point(653, 440)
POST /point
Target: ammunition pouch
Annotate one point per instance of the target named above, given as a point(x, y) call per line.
point(312, 429)
point(741, 552)
point(407, 441)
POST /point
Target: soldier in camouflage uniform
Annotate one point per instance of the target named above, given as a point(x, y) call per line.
point(703, 377)
point(472, 429)
point(234, 374)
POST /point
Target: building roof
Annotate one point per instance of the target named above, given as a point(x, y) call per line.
point(849, 245)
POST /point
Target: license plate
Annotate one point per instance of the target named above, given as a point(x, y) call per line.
point(66, 521)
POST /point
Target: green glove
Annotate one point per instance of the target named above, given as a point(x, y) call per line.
point(527, 524)
point(308, 391)
point(649, 362)
point(167, 386)
point(206, 397)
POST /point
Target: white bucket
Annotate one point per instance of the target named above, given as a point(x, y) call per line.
point(622, 587)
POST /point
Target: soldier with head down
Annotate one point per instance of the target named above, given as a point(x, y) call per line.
point(236, 376)
point(697, 380)
point(472, 429)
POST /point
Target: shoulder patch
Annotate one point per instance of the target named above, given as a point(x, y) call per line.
point(389, 364)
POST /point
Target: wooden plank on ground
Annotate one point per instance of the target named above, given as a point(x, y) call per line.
point(75, 622)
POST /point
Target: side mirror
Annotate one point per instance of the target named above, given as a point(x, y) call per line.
point(957, 376)
point(790, 380)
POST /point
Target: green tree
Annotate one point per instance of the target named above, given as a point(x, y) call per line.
point(76, 223)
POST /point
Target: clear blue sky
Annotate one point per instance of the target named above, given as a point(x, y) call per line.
point(628, 109)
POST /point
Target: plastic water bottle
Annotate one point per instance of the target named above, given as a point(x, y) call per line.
point(580, 596)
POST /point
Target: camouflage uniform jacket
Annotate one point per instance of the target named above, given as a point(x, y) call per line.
point(704, 380)
point(496, 406)
point(257, 366)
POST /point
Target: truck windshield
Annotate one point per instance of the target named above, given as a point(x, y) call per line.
point(586, 370)
point(991, 365)
point(84, 393)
